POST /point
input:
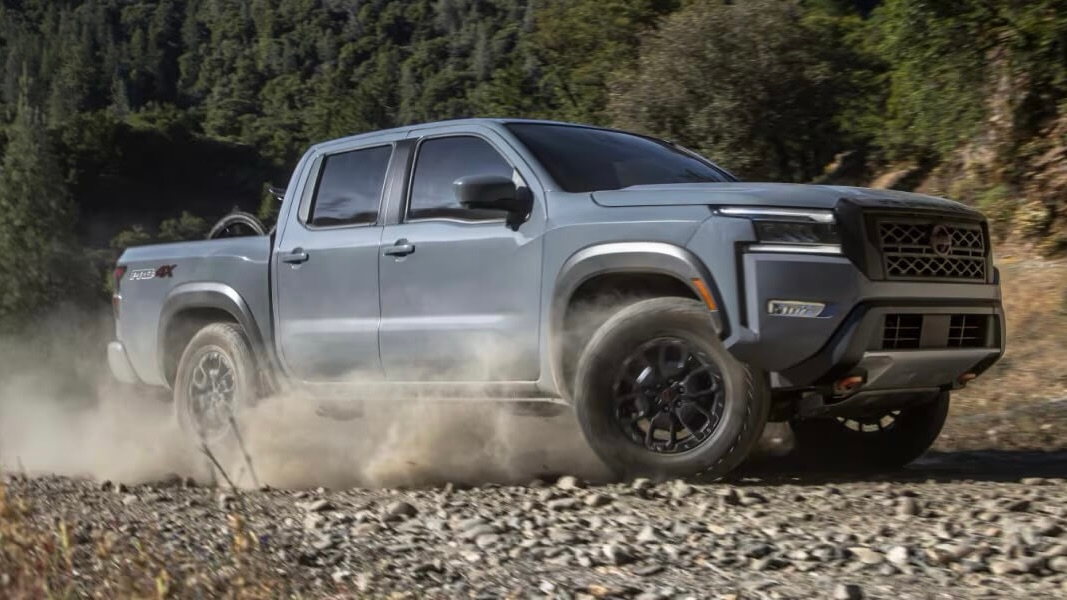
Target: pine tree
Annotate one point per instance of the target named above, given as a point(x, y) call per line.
point(36, 221)
point(580, 43)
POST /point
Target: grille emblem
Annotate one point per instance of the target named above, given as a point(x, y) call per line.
point(941, 240)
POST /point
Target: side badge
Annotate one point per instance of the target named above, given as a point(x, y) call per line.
point(146, 274)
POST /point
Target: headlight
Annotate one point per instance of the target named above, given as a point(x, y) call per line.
point(786, 230)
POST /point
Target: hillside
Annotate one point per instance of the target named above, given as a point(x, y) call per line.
point(127, 121)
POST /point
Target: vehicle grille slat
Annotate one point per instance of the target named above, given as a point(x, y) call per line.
point(915, 331)
point(967, 331)
point(902, 332)
point(910, 252)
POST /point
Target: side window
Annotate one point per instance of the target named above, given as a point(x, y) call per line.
point(350, 185)
point(439, 163)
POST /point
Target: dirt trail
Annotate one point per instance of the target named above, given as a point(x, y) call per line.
point(448, 501)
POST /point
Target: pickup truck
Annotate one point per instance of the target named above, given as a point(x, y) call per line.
point(672, 307)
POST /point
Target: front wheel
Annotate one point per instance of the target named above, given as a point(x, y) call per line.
point(887, 439)
point(216, 381)
point(657, 395)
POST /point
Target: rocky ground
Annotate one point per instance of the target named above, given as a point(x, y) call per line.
point(961, 523)
point(984, 515)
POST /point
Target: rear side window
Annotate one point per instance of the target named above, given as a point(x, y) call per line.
point(350, 187)
point(440, 162)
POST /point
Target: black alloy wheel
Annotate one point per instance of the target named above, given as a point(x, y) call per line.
point(670, 397)
point(658, 395)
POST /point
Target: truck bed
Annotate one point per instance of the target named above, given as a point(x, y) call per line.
point(155, 275)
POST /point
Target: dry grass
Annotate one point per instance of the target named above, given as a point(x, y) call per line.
point(1033, 368)
point(41, 558)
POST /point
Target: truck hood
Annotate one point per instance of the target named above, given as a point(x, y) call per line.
point(786, 195)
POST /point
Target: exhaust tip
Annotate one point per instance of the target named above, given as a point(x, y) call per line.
point(967, 378)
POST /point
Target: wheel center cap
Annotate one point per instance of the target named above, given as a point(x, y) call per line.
point(667, 397)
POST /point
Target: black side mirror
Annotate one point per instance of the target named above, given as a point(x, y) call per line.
point(495, 192)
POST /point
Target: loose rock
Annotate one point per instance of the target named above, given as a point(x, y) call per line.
point(898, 555)
point(908, 507)
point(563, 504)
point(677, 541)
point(569, 482)
point(595, 500)
point(848, 591)
point(617, 554)
point(867, 556)
point(398, 511)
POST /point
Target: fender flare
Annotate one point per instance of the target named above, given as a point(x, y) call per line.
point(218, 296)
point(659, 258)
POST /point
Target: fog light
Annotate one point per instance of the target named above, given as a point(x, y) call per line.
point(795, 308)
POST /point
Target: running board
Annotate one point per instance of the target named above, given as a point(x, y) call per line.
point(523, 407)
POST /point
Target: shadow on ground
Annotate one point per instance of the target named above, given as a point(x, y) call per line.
point(943, 467)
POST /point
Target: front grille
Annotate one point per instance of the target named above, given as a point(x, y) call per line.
point(925, 250)
point(902, 332)
point(935, 332)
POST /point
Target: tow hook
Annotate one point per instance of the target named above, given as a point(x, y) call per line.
point(847, 384)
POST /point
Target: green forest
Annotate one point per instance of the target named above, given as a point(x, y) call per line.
point(132, 121)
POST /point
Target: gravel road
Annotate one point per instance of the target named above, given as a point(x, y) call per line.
point(960, 523)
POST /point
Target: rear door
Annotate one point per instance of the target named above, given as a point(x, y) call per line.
point(461, 292)
point(326, 266)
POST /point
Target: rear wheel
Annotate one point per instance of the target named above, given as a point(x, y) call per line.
point(885, 439)
point(215, 383)
point(657, 395)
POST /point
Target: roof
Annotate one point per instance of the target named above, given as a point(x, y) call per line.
point(432, 124)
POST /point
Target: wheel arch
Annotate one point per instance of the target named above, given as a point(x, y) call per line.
point(666, 269)
point(191, 306)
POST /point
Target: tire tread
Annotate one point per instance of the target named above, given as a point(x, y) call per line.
point(756, 395)
point(229, 336)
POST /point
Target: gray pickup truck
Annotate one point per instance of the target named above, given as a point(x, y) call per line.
point(674, 308)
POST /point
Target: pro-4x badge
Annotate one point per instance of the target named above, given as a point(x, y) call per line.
point(145, 274)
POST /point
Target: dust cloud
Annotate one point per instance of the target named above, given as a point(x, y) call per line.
point(61, 413)
point(410, 443)
point(411, 439)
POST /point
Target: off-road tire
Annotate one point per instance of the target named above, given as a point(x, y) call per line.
point(229, 340)
point(747, 398)
point(580, 329)
point(826, 442)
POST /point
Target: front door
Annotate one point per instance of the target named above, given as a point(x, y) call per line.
point(327, 270)
point(461, 292)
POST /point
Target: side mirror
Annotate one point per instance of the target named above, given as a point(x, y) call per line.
point(495, 192)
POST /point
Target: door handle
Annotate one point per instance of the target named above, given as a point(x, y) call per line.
point(400, 248)
point(296, 257)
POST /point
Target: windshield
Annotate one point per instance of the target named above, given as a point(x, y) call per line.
point(586, 159)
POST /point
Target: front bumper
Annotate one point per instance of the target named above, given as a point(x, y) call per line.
point(899, 337)
point(120, 365)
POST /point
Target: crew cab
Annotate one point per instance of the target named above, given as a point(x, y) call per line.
point(673, 307)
